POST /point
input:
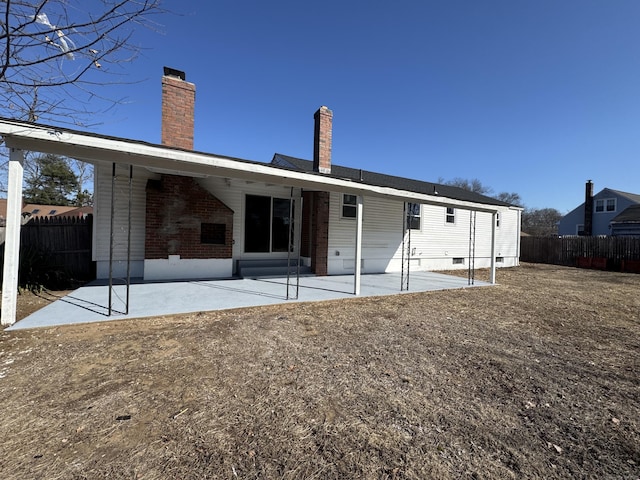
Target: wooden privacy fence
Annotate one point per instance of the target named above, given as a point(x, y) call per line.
point(605, 253)
point(62, 243)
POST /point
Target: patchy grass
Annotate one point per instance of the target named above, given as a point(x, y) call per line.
point(534, 378)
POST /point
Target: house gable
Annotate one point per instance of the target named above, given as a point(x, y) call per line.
point(602, 217)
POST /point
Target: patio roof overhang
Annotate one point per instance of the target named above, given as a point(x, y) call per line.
point(94, 148)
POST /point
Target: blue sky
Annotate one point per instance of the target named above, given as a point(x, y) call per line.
point(533, 97)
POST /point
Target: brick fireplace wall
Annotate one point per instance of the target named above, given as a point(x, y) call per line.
point(177, 209)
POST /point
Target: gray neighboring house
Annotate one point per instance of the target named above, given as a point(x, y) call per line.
point(627, 223)
point(609, 212)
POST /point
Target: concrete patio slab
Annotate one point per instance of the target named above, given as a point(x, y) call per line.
point(90, 303)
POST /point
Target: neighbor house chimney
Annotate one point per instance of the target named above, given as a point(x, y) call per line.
point(322, 140)
point(588, 208)
point(178, 102)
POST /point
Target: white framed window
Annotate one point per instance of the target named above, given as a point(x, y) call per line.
point(605, 205)
point(349, 206)
point(498, 220)
point(610, 205)
point(413, 216)
point(599, 207)
point(450, 216)
point(458, 261)
point(579, 229)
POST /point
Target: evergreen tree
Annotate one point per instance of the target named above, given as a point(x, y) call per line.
point(50, 182)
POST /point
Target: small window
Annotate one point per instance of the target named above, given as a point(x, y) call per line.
point(451, 215)
point(349, 206)
point(35, 211)
point(213, 233)
point(458, 261)
point(498, 220)
point(599, 206)
point(499, 259)
point(52, 212)
point(580, 229)
point(611, 205)
point(413, 216)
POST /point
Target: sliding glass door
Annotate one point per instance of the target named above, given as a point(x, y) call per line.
point(266, 224)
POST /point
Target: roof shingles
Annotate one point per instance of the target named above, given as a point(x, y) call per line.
point(383, 180)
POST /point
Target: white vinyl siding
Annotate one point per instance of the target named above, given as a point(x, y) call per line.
point(433, 247)
point(102, 219)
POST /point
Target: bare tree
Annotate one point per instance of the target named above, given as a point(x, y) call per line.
point(58, 55)
point(473, 185)
point(510, 197)
point(51, 47)
point(541, 221)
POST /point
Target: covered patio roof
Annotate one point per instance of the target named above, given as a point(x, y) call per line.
point(94, 148)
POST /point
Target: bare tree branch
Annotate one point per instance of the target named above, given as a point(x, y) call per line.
point(49, 45)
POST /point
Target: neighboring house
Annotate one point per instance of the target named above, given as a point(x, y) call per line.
point(31, 210)
point(602, 209)
point(627, 223)
point(167, 212)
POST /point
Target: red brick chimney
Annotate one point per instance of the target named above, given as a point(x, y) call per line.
point(588, 209)
point(322, 140)
point(178, 102)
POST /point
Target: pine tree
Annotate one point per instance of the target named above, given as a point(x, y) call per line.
point(50, 182)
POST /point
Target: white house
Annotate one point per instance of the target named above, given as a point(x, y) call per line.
point(168, 212)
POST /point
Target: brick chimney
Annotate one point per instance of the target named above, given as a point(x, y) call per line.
point(322, 140)
point(178, 102)
point(588, 208)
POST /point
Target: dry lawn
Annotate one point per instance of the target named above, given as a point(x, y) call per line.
point(535, 378)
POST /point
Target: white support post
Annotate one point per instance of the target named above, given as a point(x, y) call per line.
point(12, 238)
point(358, 252)
point(494, 218)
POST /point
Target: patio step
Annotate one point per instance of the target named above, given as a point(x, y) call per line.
point(270, 268)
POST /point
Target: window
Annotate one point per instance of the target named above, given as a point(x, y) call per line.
point(451, 215)
point(498, 220)
point(349, 206)
point(605, 205)
point(52, 212)
point(611, 204)
point(413, 216)
point(499, 259)
point(580, 229)
point(266, 224)
point(213, 233)
point(35, 211)
point(458, 261)
point(599, 205)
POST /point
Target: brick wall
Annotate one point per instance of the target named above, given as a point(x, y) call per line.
point(176, 208)
point(320, 233)
point(178, 103)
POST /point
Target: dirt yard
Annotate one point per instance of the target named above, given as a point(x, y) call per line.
point(535, 378)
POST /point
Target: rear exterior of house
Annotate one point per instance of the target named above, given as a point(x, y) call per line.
point(185, 227)
point(602, 209)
